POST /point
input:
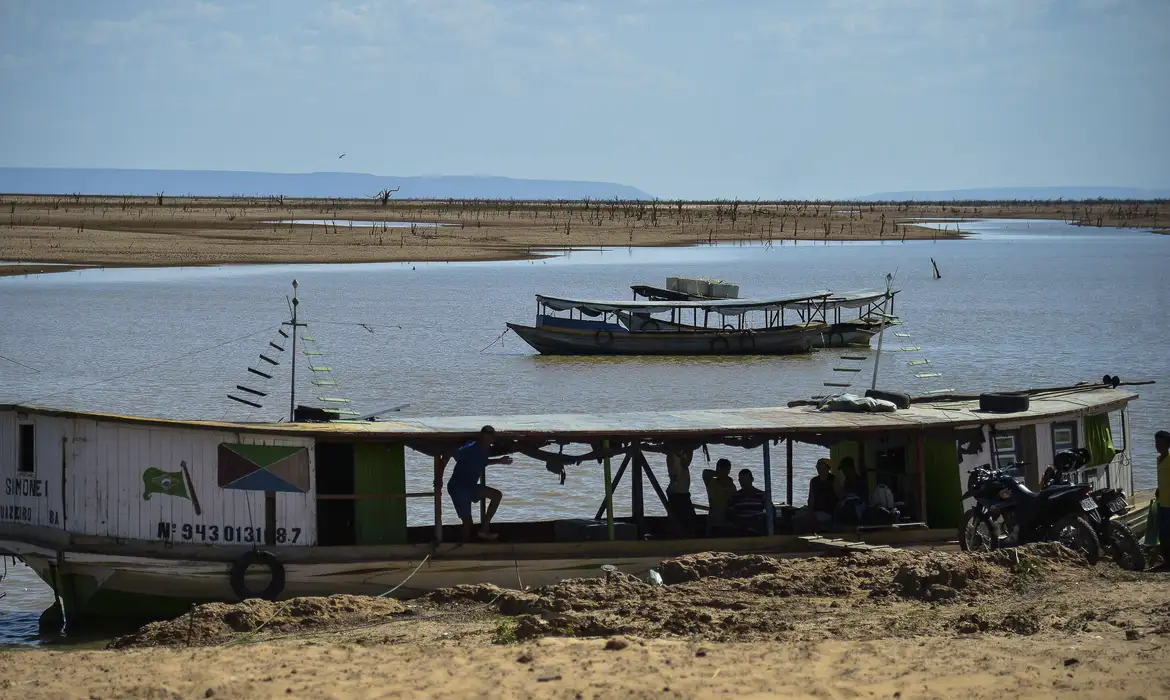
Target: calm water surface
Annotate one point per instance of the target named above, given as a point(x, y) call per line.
point(1023, 303)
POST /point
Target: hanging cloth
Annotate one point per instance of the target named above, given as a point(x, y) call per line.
point(1099, 440)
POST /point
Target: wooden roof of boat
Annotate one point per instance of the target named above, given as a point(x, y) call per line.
point(844, 300)
point(731, 307)
point(943, 413)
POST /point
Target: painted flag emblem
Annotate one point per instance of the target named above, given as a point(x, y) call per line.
point(158, 481)
point(176, 484)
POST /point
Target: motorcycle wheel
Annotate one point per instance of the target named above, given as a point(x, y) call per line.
point(1123, 546)
point(978, 533)
point(1075, 532)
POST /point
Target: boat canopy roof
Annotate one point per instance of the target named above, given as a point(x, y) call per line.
point(713, 425)
point(856, 300)
point(725, 307)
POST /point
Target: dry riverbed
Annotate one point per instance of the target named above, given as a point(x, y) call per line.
point(1038, 622)
point(138, 231)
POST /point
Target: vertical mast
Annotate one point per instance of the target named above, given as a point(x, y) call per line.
point(881, 330)
point(292, 394)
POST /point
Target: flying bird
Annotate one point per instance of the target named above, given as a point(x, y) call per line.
point(340, 156)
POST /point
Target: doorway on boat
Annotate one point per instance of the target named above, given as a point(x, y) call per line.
point(361, 493)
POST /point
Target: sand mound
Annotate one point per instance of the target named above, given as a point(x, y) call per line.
point(693, 567)
point(716, 596)
point(724, 596)
point(216, 623)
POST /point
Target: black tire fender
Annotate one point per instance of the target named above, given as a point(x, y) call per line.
point(895, 397)
point(603, 338)
point(1124, 547)
point(650, 324)
point(747, 342)
point(978, 516)
point(715, 344)
point(1086, 533)
point(252, 558)
point(1003, 403)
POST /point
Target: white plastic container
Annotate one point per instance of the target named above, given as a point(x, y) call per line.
point(724, 290)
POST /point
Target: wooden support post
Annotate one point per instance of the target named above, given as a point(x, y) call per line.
point(270, 518)
point(922, 476)
point(769, 507)
point(636, 504)
point(789, 470)
point(608, 492)
point(440, 465)
point(617, 479)
point(640, 460)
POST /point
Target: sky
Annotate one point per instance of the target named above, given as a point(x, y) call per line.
point(683, 99)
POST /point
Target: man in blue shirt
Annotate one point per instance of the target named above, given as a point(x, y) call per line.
point(464, 487)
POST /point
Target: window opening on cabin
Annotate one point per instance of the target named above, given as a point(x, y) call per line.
point(1006, 448)
point(27, 460)
point(1064, 436)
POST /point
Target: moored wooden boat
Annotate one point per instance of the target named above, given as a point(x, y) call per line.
point(593, 327)
point(126, 515)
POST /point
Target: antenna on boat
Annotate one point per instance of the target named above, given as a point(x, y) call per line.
point(882, 327)
point(294, 328)
point(292, 394)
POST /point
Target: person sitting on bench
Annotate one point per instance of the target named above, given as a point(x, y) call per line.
point(749, 505)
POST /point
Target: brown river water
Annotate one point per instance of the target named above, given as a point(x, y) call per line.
point(1020, 304)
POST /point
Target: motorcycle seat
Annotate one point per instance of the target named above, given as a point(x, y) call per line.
point(1027, 493)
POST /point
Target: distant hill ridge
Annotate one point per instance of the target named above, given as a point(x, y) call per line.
point(227, 183)
point(1017, 193)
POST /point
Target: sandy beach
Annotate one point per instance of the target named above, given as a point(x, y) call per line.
point(72, 230)
point(1037, 622)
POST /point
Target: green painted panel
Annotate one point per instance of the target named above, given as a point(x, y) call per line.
point(944, 494)
point(379, 469)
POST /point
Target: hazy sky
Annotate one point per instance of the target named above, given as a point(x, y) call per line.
point(682, 99)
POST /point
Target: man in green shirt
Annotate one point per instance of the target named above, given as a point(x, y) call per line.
point(1162, 442)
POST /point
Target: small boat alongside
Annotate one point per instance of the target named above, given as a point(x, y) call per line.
point(718, 326)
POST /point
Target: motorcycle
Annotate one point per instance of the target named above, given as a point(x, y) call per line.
point(1006, 513)
point(1117, 541)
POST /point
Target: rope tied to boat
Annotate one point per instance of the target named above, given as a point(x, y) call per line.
point(501, 337)
point(412, 573)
